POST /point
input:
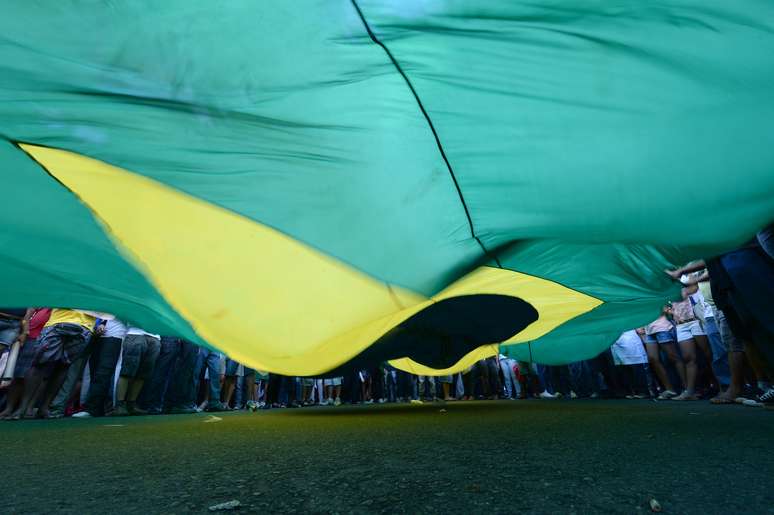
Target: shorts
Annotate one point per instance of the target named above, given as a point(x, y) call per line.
point(249, 372)
point(660, 337)
point(61, 343)
point(139, 355)
point(688, 330)
point(231, 367)
point(26, 357)
point(307, 381)
point(9, 331)
point(334, 381)
point(445, 379)
point(731, 342)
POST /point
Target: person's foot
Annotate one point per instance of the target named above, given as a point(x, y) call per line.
point(82, 414)
point(133, 409)
point(215, 406)
point(752, 403)
point(595, 395)
point(337, 402)
point(767, 397)
point(545, 395)
point(686, 396)
point(416, 401)
point(120, 410)
point(558, 395)
point(666, 395)
point(573, 395)
point(182, 410)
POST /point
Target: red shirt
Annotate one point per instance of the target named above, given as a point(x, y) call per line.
point(37, 321)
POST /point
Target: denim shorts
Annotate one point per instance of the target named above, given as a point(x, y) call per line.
point(139, 355)
point(660, 337)
point(62, 343)
point(9, 331)
point(688, 330)
point(231, 367)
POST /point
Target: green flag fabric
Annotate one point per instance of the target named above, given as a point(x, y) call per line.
point(321, 184)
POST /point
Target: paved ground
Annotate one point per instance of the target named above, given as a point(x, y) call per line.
point(527, 456)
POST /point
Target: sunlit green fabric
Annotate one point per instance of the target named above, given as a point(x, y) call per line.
point(587, 143)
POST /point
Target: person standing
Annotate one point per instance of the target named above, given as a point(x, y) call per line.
point(64, 337)
point(102, 368)
point(141, 349)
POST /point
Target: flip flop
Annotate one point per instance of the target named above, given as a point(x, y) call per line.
point(721, 400)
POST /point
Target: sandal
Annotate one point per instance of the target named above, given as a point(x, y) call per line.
point(719, 399)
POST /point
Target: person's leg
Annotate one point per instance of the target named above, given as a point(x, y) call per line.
point(654, 359)
point(214, 368)
point(688, 351)
point(671, 352)
point(53, 385)
point(719, 352)
point(104, 361)
point(152, 397)
point(181, 394)
point(74, 374)
point(34, 384)
point(702, 344)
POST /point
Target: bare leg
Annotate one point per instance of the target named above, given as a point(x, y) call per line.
point(734, 390)
point(135, 387)
point(445, 387)
point(688, 350)
point(229, 384)
point(52, 388)
point(122, 388)
point(658, 368)
point(671, 353)
point(15, 392)
point(34, 382)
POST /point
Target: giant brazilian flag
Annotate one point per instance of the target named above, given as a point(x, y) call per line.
point(320, 184)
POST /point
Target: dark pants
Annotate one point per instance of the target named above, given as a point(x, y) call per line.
point(102, 368)
point(172, 382)
point(153, 392)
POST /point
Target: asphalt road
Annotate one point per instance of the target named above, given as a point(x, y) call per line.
point(474, 457)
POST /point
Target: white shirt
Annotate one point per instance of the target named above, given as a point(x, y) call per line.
point(137, 330)
point(628, 349)
point(114, 328)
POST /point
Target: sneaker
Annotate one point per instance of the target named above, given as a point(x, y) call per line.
point(752, 403)
point(767, 396)
point(558, 395)
point(134, 410)
point(546, 395)
point(215, 406)
point(182, 410)
point(369, 401)
point(120, 410)
point(666, 395)
point(573, 395)
point(685, 396)
point(82, 414)
point(594, 395)
point(337, 402)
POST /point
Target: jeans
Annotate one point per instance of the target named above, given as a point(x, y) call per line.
point(74, 374)
point(211, 360)
point(154, 391)
point(102, 368)
point(512, 385)
point(719, 351)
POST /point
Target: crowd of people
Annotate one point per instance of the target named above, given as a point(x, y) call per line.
point(715, 343)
